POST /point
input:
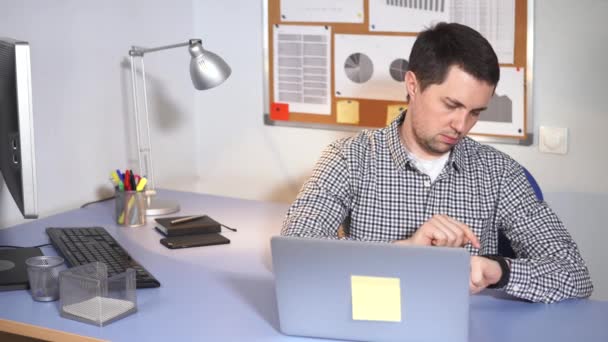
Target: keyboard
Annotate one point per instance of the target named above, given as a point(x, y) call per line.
point(83, 245)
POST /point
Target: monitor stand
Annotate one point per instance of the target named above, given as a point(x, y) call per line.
point(13, 272)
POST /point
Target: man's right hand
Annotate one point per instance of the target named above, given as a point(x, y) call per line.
point(442, 230)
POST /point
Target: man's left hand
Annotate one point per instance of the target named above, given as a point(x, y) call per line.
point(484, 272)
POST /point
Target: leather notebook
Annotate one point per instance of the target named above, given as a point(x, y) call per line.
point(195, 240)
point(201, 225)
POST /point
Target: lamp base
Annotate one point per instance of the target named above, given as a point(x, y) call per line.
point(158, 206)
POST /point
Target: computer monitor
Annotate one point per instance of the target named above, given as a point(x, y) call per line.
point(17, 156)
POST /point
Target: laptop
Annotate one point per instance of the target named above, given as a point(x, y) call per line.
point(366, 291)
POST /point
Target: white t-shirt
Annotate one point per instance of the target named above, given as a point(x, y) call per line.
point(430, 167)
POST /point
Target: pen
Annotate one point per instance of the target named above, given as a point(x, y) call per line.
point(132, 180)
point(128, 208)
point(186, 219)
point(127, 180)
point(114, 177)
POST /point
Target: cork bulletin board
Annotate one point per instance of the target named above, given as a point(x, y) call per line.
point(340, 64)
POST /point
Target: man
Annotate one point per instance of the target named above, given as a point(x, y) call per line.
point(421, 181)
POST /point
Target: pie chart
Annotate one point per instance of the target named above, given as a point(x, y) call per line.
point(358, 68)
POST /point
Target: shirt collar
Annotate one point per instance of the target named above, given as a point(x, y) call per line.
point(401, 157)
point(396, 149)
point(458, 155)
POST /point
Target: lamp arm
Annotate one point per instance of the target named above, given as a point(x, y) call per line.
point(144, 146)
point(140, 106)
point(156, 206)
point(140, 51)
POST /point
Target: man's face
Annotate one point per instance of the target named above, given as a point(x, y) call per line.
point(439, 116)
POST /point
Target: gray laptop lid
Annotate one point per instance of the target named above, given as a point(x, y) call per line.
point(314, 287)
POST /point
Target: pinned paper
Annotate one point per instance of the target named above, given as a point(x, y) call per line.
point(279, 111)
point(393, 111)
point(322, 11)
point(376, 298)
point(347, 111)
point(301, 62)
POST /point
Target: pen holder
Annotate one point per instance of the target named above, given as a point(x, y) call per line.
point(89, 296)
point(130, 208)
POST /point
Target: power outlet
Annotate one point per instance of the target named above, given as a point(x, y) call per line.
point(553, 140)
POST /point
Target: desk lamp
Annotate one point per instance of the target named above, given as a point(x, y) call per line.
point(207, 70)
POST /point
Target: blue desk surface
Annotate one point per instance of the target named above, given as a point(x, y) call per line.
point(226, 293)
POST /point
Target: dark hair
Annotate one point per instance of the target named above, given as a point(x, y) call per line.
point(445, 45)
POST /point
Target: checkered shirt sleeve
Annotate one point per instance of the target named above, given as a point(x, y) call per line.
point(325, 199)
point(548, 267)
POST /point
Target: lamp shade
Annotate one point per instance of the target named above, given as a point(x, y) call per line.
point(207, 69)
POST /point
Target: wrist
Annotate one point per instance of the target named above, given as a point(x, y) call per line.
point(405, 242)
point(505, 267)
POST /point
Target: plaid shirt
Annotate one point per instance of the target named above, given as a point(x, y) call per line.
point(368, 184)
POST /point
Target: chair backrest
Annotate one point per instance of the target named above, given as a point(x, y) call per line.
point(504, 245)
point(535, 186)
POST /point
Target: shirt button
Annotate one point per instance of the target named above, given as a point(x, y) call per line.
point(427, 183)
point(515, 288)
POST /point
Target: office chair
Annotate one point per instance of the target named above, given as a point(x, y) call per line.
point(535, 186)
point(504, 245)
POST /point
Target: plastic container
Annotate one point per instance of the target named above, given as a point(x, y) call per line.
point(88, 295)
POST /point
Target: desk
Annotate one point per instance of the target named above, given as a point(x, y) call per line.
point(226, 293)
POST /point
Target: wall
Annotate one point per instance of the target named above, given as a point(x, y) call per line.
point(241, 157)
point(569, 91)
point(81, 94)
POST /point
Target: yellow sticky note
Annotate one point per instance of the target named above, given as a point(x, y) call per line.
point(376, 298)
point(393, 111)
point(347, 111)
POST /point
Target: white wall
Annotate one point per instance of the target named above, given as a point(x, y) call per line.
point(215, 141)
point(78, 102)
point(81, 93)
point(585, 215)
point(239, 156)
point(570, 91)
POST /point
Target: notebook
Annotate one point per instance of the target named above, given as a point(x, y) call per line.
point(201, 225)
point(366, 291)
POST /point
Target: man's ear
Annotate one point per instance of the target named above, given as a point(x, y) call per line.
point(411, 84)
